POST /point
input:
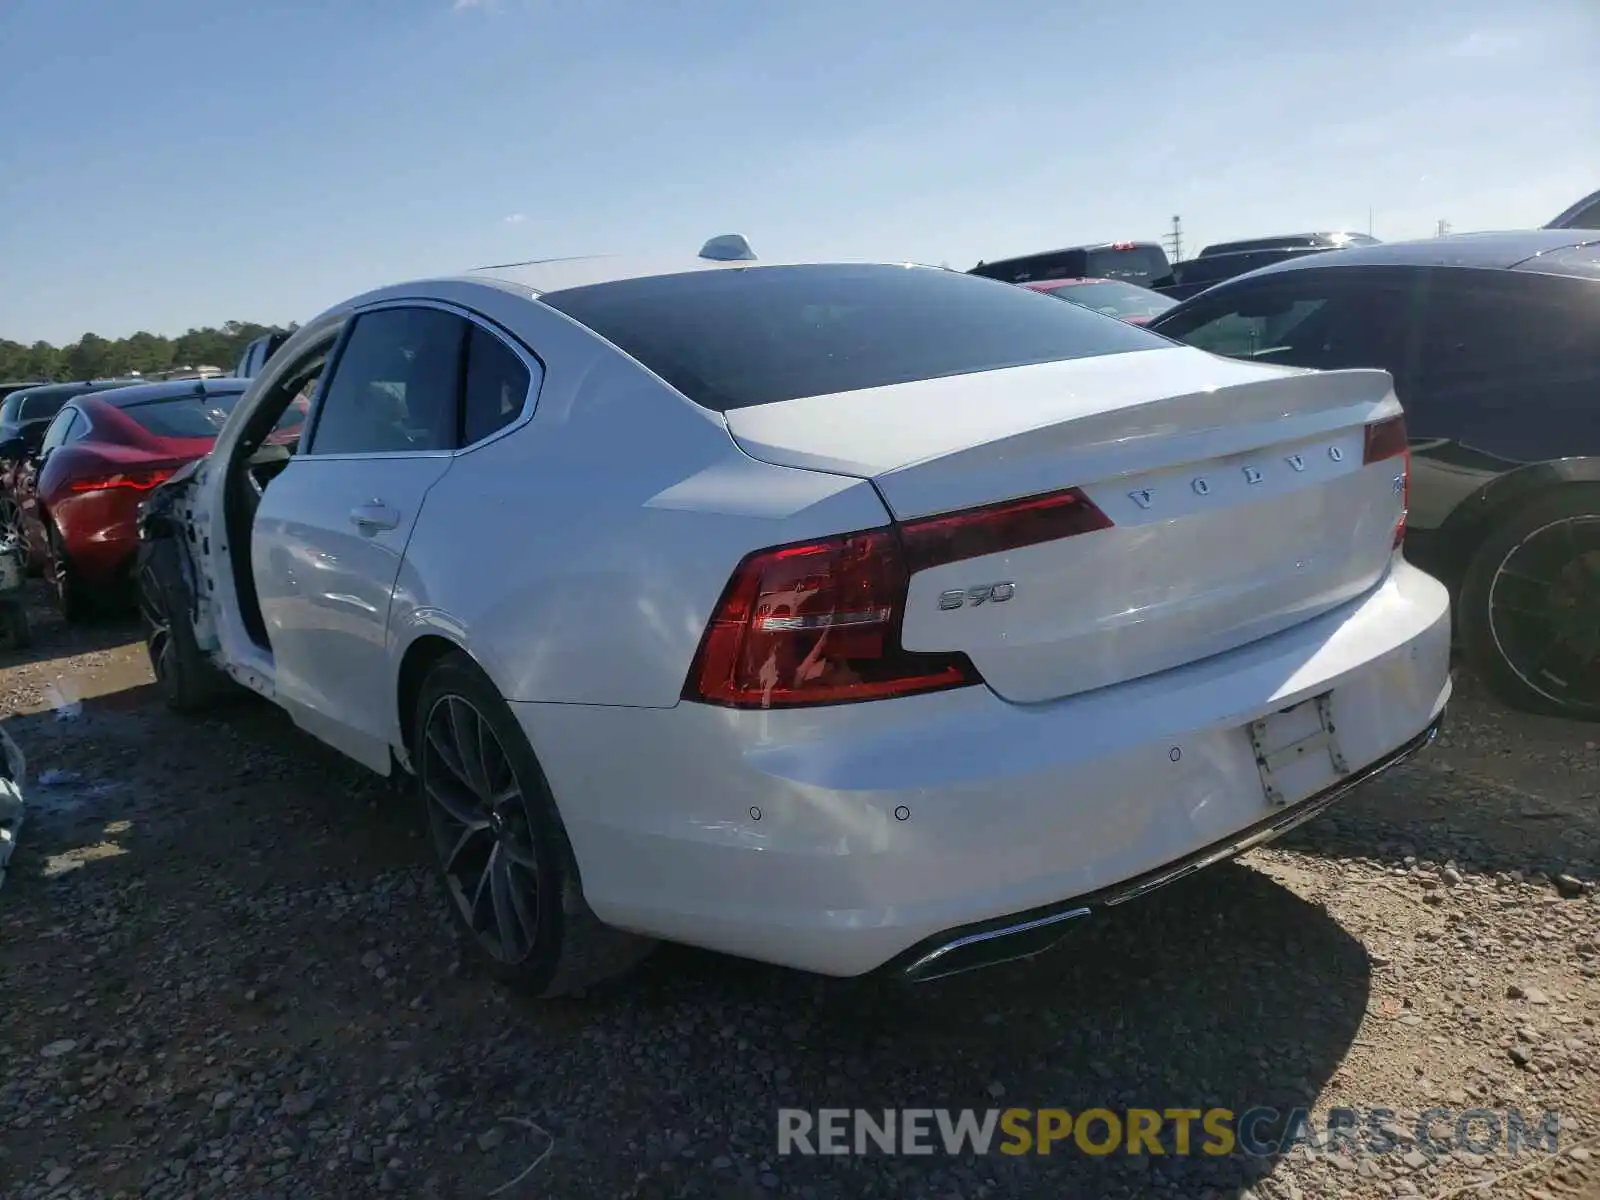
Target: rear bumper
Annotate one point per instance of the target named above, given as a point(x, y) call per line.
point(1022, 935)
point(100, 532)
point(842, 839)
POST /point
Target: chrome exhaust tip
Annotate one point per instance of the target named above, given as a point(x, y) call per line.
point(991, 947)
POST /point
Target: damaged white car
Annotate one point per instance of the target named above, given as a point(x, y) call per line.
point(849, 617)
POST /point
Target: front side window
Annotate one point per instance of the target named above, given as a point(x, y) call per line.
point(394, 385)
point(1321, 319)
point(735, 337)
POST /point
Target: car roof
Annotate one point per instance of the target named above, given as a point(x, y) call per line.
point(558, 274)
point(1491, 251)
point(1050, 285)
point(76, 387)
point(174, 389)
point(1314, 240)
point(1578, 209)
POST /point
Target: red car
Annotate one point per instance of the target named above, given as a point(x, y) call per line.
point(100, 457)
point(1115, 297)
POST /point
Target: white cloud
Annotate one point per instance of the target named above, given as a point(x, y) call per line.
point(1480, 43)
point(515, 219)
point(482, 5)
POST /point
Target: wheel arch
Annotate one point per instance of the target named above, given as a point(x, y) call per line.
point(1471, 521)
point(424, 651)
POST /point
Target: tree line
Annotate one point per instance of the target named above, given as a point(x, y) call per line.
point(96, 357)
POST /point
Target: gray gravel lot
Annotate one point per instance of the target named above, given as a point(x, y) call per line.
point(225, 971)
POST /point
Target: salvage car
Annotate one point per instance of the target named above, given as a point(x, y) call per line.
point(1493, 341)
point(78, 497)
point(852, 617)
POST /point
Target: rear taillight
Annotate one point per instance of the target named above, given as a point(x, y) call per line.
point(1387, 439)
point(136, 481)
point(819, 622)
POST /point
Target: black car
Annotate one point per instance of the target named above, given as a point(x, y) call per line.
point(1143, 263)
point(27, 410)
point(1494, 344)
point(1585, 214)
point(17, 385)
point(1226, 260)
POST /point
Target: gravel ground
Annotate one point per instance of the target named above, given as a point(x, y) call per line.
point(225, 971)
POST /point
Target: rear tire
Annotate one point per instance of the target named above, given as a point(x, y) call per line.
point(1529, 605)
point(504, 860)
point(188, 681)
point(73, 597)
point(12, 530)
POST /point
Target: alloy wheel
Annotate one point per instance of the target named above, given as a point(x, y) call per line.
point(481, 829)
point(11, 529)
point(158, 628)
point(1544, 610)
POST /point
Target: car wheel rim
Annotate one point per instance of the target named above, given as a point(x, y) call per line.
point(481, 829)
point(158, 630)
point(11, 525)
point(1544, 610)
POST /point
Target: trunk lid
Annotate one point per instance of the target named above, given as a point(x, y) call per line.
point(1238, 494)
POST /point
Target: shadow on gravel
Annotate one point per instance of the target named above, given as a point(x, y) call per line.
point(53, 638)
point(275, 894)
point(1225, 991)
point(1500, 791)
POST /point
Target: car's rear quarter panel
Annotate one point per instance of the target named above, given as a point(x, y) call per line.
point(579, 557)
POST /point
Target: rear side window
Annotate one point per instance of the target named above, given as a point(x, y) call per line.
point(497, 386)
point(1495, 328)
point(736, 337)
point(185, 416)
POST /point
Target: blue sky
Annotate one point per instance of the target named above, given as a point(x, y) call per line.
point(183, 162)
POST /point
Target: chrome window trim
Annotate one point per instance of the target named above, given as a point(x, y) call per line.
point(530, 360)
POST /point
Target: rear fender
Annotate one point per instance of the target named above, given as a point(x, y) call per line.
point(1470, 521)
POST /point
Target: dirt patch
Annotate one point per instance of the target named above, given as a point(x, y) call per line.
point(225, 971)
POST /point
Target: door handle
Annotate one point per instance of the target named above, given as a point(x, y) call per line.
point(374, 517)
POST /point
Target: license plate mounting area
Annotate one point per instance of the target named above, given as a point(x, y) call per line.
point(1295, 749)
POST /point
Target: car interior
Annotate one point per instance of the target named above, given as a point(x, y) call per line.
point(263, 451)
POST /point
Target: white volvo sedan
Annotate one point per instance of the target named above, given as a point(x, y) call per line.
point(849, 617)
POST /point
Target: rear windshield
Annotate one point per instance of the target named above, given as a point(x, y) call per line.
point(1137, 262)
point(736, 337)
point(185, 416)
point(1114, 298)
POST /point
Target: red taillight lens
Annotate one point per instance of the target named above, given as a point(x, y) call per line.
point(136, 481)
point(819, 622)
point(1387, 439)
point(996, 527)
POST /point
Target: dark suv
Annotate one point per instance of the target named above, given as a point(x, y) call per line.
point(1494, 344)
point(1143, 263)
